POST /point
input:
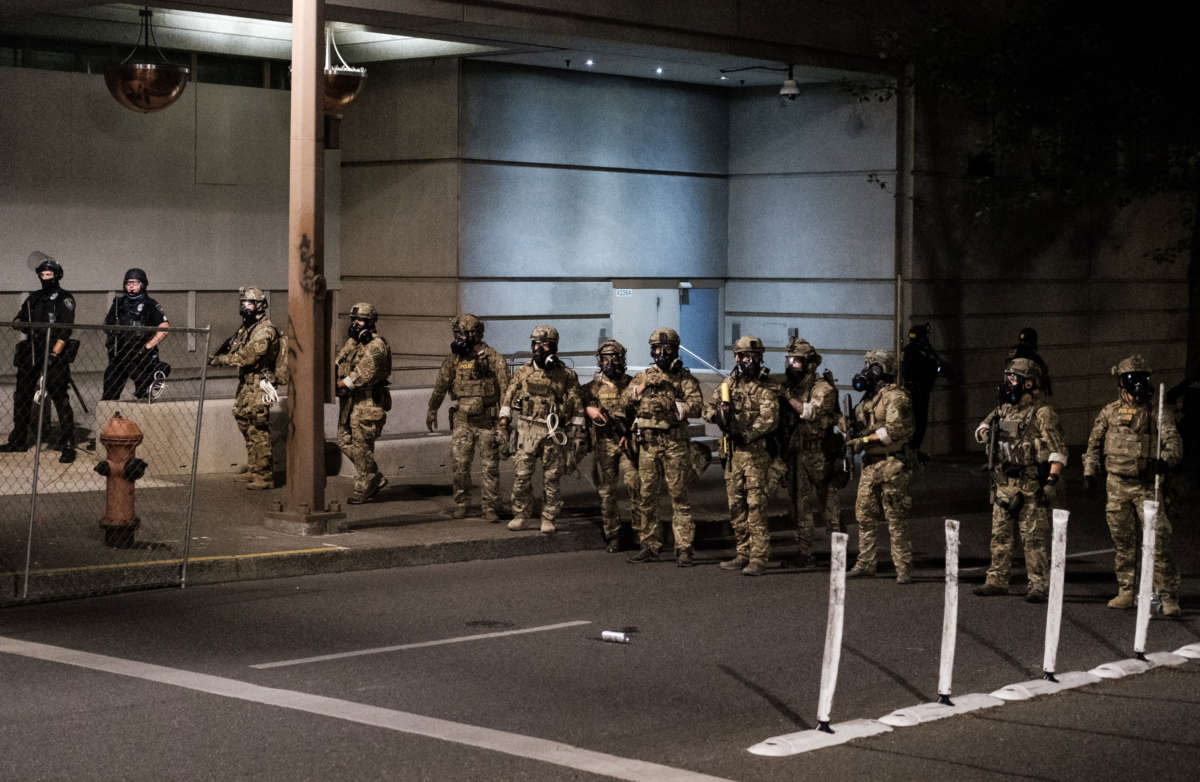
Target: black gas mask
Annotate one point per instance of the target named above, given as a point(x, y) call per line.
point(1014, 387)
point(747, 365)
point(797, 369)
point(666, 357)
point(462, 345)
point(543, 354)
point(360, 330)
point(248, 311)
point(868, 379)
point(612, 365)
point(1137, 385)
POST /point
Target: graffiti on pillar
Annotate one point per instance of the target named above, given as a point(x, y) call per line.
point(311, 280)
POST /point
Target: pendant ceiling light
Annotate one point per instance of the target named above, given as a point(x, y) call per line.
point(342, 82)
point(146, 86)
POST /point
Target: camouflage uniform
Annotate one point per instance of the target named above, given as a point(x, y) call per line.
point(811, 448)
point(1028, 440)
point(751, 416)
point(476, 380)
point(1125, 435)
point(613, 463)
point(883, 491)
point(663, 401)
point(542, 402)
point(254, 349)
point(363, 370)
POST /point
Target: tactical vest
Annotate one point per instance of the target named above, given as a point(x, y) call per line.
point(1127, 442)
point(656, 408)
point(474, 387)
point(539, 393)
point(745, 397)
point(875, 416)
point(265, 365)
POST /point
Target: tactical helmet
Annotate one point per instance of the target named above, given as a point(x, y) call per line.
point(544, 334)
point(137, 274)
point(886, 360)
point(363, 310)
point(253, 294)
point(748, 344)
point(610, 347)
point(801, 348)
point(1028, 336)
point(1025, 367)
point(665, 337)
point(49, 264)
point(469, 324)
point(1134, 363)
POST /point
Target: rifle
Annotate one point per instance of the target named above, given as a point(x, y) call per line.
point(624, 433)
point(726, 424)
point(852, 434)
point(993, 439)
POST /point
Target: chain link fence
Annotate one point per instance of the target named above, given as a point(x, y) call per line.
point(65, 505)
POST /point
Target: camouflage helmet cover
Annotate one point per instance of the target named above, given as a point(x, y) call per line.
point(748, 344)
point(886, 360)
point(610, 347)
point(544, 334)
point(664, 337)
point(364, 310)
point(251, 293)
point(1025, 367)
point(1134, 363)
point(801, 348)
point(468, 323)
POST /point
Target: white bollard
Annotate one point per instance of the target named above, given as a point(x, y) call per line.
point(949, 614)
point(833, 629)
point(1146, 584)
point(1058, 573)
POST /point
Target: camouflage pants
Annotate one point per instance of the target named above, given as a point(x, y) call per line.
point(613, 466)
point(812, 497)
point(1033, 521)
point(665, 458)
point(1126, 515)
point(464, 441)
point(745, 488)
point(533, 445)
point(357, 433)
point(253, 421)
point(883, 495)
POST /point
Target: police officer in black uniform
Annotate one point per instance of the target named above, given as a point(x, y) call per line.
point(130, 353)
point(51, 304)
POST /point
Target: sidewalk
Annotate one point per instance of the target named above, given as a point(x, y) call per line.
point(409, 523)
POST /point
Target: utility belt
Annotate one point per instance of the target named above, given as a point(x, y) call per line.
point(488, 415)
point(1017, 472)
point(656, 435)
point(897, 453)
point(808, 443)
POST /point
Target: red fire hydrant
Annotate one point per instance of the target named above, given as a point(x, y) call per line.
point(120, 437)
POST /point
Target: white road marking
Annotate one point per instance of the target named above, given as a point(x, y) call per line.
point(420, 644)
point(1076, 555)
point(389, 719)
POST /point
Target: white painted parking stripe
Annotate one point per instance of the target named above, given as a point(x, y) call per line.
point(1076, 555)
point(389, 719)
point(420, 644)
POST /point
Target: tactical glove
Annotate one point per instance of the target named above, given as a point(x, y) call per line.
point(431, 420)
point(859, 443)
point(1049, 489)
point(1090, 483)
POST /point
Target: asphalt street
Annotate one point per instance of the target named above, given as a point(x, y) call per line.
point(423, 676)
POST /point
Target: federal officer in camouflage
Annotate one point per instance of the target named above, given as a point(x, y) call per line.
point(1123, 443)
point(812, 448)
point(664, 396)
point(543, 402)
point(1027, 452)
point(612, 449)
point(476, 377)
point(746, 408)
point(363, 367)
point(254, 350)
point(884, 418)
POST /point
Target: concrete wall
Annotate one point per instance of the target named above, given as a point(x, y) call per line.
point(811, 240)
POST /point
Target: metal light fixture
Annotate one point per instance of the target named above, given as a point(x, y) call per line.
point(146, 86)
point(342, 82)
point(789, 89)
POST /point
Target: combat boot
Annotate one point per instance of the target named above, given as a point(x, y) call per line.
point(861, 570)
point(459, 512)
point(645, 555)
point(990, 590)
point(548, 527)
point(490, 515)
point(518, 524)
point(374, 488)
point(903, 577)
point(683, 557)
point(614, 545)
point(755, 568)
point(737, 563)
point(1170, 606)
point(258, 483)
point(1035, 596)
point(1124, 599)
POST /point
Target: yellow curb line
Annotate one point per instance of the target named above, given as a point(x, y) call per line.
point(121, 565)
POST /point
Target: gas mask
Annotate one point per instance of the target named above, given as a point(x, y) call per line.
point(360, 330)
point(1014, 387)
point(543, 354)
point(248, 311)
point(797, 369)
point(462, 344)
point(612, 366)
point(747, 365)
point(666, 357)
point(868, 379)
point(1137, 385)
